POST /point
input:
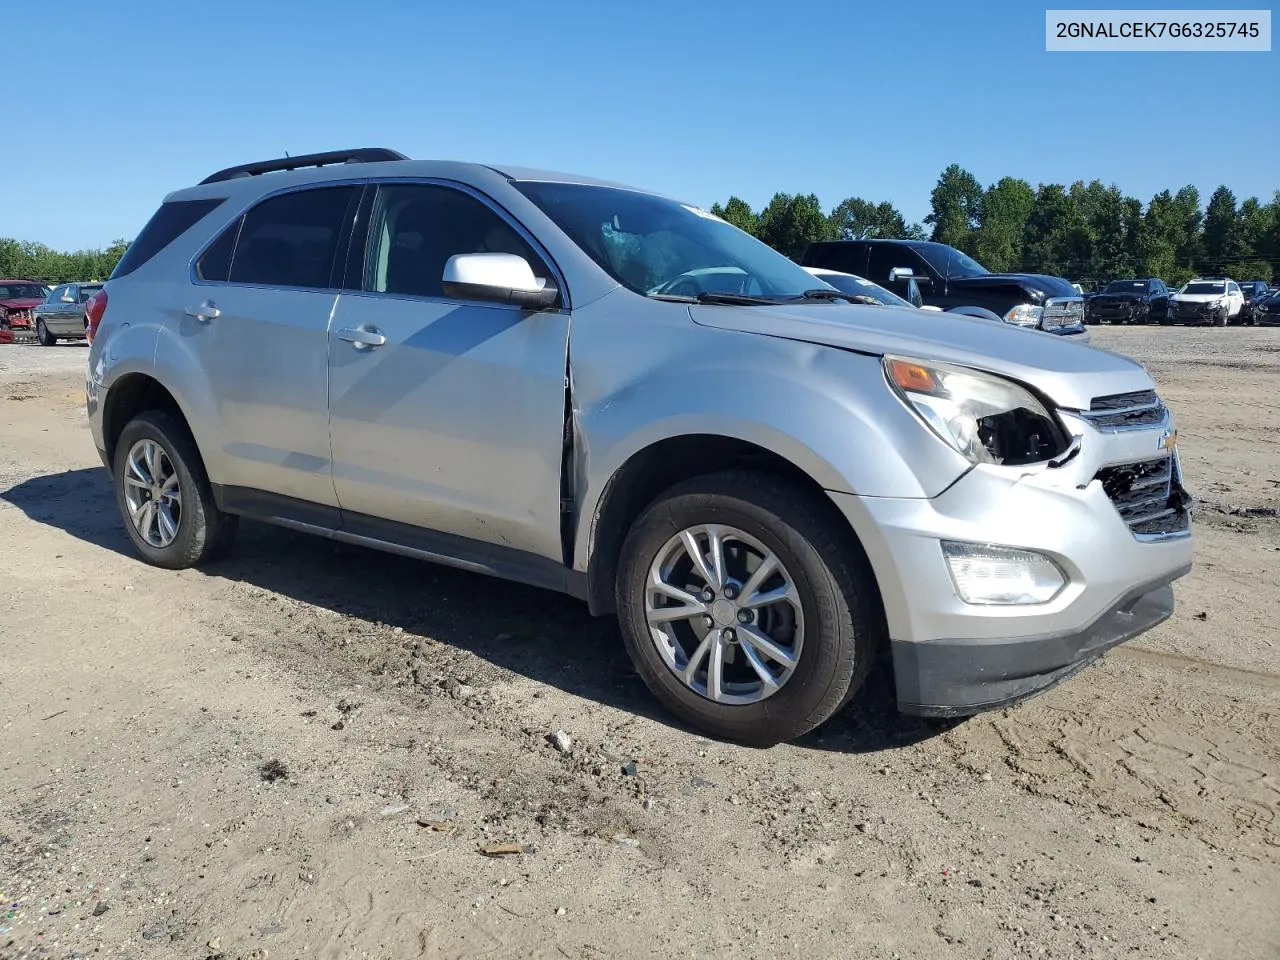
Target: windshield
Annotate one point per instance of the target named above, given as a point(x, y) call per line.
point(1204, 288)
point(22, 291)
point(659, 247)
point(847, 283)
point(950, 262)
point(1125, 286)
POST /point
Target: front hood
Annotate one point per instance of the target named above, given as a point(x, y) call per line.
point(21, 303)
point(1071, 374)
point(1049, 286)
point(1198, 297)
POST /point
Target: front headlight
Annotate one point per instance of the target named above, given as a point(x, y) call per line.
point(1024, 315)
point(985, 418)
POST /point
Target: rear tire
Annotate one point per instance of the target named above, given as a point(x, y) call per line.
point(200, 531)
point(44, 336)
point(840, 623)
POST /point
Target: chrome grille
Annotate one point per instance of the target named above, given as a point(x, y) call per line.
point(1062, 312)
point(1122, 411)
point(1148, 495)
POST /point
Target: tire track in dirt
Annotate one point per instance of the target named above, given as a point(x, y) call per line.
point(1132, 744)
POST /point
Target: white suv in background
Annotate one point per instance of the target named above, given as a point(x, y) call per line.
point(1212, 300)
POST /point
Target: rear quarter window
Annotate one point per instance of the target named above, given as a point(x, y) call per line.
point(171, 221)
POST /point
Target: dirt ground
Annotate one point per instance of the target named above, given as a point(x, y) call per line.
point(298, 752)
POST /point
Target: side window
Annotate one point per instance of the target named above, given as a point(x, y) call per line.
point(845, 257)
point(290, 240)
point(886, 256)
point(1233, 287)
point(171, 221)
point(56, 295)
point(215, 265)
point(414, 230)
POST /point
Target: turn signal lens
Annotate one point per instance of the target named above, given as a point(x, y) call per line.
point(911, 376)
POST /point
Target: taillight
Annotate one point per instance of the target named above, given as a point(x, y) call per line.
point(94, 309)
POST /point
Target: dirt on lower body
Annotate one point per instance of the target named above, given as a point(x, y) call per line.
point(315, 750)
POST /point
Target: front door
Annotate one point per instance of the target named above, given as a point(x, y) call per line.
point(446, 415)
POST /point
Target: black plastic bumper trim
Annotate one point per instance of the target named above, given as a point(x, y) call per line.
point(956, 678)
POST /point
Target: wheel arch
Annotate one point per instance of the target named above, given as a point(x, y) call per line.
point(129, 395)
point(654, 468)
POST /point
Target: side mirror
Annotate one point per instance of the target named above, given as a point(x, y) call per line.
point(497, 278)
point(906, 284)
point(913, 293)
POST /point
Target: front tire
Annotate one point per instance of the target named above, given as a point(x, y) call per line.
point(164, 494)
point(696, 571)
point(44, 336)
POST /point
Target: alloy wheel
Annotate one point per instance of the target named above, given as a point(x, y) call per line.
point(724, 614)
point(152, 493)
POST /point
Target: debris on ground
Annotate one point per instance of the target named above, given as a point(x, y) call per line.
point(502, 849)
point(438, 826)
point(561, 741)
point(274, 770)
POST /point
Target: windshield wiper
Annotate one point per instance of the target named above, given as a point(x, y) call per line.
point(730, 299)
point(822, 293)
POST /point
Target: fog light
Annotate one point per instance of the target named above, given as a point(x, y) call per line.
point(987, 574)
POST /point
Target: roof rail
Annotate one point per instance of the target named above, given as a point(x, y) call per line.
point(359, 155)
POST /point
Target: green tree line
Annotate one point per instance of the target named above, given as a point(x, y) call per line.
point(1085, 231)
point(34, 261)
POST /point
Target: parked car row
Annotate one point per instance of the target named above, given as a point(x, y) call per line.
point(32, 310)
point(949, 279)
point(1209, 300)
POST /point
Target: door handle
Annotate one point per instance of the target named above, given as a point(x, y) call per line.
point(205, 312)
point(363, 337)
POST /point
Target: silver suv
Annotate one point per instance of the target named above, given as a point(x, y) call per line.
point(601, 391)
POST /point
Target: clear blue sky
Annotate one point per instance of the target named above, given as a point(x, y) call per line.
point(698, 99)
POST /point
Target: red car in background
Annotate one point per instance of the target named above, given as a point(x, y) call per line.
point(18, 300)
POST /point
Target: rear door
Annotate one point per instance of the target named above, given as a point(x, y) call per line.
point(256, 310)
point(454, 422)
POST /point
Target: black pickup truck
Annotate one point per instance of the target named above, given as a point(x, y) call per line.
point(1129, 301)
point(949, 278)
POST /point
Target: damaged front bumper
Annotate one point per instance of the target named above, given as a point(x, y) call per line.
point(1088, 514)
